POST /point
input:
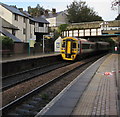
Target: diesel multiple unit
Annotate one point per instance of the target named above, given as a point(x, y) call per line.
point(72, 47)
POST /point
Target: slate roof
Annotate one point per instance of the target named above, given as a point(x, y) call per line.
point(13, 10)
point(24, 14)
point(51, 15)
point(40, 19)
point(6, 33)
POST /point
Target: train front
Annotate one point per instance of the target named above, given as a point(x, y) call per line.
point(69, 48)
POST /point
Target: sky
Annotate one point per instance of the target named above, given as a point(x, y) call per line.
point(102, 7)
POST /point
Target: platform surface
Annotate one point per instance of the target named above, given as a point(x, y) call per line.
point(94, 92)
point(101, 96)
point(23, 57)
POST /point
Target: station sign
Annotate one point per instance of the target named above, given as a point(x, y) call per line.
point(47, 36)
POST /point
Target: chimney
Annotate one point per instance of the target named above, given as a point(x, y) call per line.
point(53, 10)
point(21, 9)
point(46, 12)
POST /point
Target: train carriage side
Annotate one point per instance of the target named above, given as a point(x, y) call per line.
point(102, 47)
point(87, 47)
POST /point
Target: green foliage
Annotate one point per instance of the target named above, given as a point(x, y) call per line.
point(105, 39)
point(62, 27)
point(7, 43)
point(80, 12)
point(37, 11)
point(109, 40)
point(56, 34)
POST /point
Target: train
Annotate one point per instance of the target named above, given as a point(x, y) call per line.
point(73, 48)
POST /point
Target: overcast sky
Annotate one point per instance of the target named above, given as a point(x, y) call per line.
point(102, 7)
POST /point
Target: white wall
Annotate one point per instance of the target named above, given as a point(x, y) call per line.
point(57, 44)
point(43, 29)
point(5, 14)
point(9, 30)
point(52, 21)
point(61, 19)
point(20, 24)
point(56, 21)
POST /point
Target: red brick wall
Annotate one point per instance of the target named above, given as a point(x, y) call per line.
point(20, 48)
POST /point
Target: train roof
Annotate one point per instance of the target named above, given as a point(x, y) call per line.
point(70, 38)
point(85, 41)
point(102, 43)
point(81, 39)
point(74, 38)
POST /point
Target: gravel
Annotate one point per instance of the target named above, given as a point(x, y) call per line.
point(21, 89)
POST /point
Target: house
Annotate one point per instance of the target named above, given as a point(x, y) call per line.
point(22, 25)
point(56, 18)
point(8, 30)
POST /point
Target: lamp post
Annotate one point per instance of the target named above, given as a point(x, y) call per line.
point(29, 48)
point(43, 43)
point(31, 44)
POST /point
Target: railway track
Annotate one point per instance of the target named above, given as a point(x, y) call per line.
point(32, 102)
point(12, 80)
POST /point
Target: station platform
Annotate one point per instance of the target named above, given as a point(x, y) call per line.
point(26, 56)
point(94, 92)
point(20, 63)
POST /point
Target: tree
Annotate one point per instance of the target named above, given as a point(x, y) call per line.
point(115, 4)
point(80, 12)
point(37, 11)
point(62, 27)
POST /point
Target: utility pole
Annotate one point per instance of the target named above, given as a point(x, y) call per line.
point(43, 43)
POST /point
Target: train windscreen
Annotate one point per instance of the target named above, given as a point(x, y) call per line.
point(63, 44)
point(74, 44)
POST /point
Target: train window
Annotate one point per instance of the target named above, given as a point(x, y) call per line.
point(85, 46)
point(63, 44)
point(74, 45)
point(92, 46)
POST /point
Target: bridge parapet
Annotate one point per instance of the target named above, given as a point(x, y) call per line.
point(97, 28)
point(92, 25)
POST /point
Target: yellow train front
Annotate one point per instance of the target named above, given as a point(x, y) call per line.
point(69, 49)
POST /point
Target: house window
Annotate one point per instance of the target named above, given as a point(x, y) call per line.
point(24, 31)
point(32, 22)
point(41, 25)
point(16, 17)
point(47, 25)
point(13, 32)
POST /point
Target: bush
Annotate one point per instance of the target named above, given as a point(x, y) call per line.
point(7, 43)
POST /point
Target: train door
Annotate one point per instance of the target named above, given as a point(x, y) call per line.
point(68, 48)
point(74, 47)
point(79, 47)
